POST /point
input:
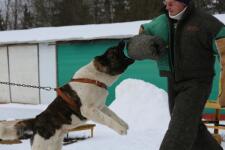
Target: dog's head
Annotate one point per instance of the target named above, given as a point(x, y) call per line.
point(113, 61)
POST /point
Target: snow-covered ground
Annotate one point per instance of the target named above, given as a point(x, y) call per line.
point(142, 105)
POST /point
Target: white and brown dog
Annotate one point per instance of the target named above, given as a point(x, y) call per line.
point(80, 100)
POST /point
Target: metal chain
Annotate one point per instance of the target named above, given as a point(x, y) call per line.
point(27, 85)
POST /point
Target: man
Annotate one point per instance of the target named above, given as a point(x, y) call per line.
point(192, 38)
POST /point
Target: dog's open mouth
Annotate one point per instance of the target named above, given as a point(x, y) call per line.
point(125, 57)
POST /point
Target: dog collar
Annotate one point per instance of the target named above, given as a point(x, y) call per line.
point(91, 81)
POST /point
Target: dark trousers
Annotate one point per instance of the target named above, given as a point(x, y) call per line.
point(186, 103)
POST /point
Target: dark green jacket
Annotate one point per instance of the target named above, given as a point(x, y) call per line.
point(194, 49)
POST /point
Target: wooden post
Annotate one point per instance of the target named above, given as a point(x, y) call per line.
point(217, 121)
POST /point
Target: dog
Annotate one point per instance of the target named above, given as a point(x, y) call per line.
point(82, 99)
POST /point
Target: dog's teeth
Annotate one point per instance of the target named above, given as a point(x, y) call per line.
point(29, 132)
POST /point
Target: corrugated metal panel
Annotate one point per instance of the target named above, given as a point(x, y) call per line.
point(4, 76)
point(23, 64)
point(47, 60)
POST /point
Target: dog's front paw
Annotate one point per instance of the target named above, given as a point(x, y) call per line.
point(122, 131)
point(125, 125)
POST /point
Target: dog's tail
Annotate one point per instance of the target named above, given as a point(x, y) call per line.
point(19, 129)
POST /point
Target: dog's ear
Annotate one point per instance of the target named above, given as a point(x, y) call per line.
point(121, 45)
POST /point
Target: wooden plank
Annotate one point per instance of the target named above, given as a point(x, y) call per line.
point(24, 69)
point(218, 138)
point(216, 127)
point(84, 127)
point(4, 76)
point(212, 104)
point(47, 61)
point(10, 141)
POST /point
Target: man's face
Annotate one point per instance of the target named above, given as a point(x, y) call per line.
point(174, 7)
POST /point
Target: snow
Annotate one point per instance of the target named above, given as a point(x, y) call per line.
point(77, 32)
point(147, 115)
point(68, 33)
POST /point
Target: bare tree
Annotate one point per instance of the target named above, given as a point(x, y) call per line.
point(219, 6)
point(19, 14)
point(2, 22)
point(27, 20)
point(42, 12)
point(130, 10)
point(15, 14)
point(7, 4)
point(71, 12)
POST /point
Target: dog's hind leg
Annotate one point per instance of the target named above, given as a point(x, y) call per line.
point(99, 116)
point(18, 129)
point(53, 143)
point(8, 130)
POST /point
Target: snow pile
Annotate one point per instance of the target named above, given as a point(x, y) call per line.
point(142, 105)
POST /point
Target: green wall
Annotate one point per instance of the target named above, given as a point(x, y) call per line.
point(70, 57)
